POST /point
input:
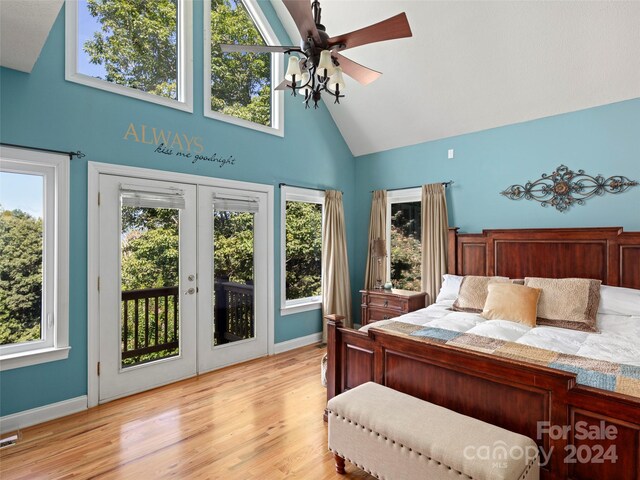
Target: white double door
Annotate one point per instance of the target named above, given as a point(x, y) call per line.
point(183, 281)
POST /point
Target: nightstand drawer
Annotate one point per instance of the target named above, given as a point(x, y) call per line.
point(376, 314)
point(387, 304)
point(387, 301)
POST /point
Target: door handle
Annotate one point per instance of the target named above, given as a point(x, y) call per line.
point(191, 291)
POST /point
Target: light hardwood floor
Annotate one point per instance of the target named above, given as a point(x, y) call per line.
point(258, 420)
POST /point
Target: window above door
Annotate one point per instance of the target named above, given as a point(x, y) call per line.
point(137, 49)
point(239, 87)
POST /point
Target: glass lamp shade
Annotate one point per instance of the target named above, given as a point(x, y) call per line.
point(293, 68)
point(325, 63)
point(337, 79)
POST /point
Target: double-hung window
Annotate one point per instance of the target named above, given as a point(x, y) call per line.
point(404, 238)
point(141, 49)
point(301, 249)
point(34, 289)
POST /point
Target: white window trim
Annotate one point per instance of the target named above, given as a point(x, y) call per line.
point(185, 60)
point(398, 196)
point(277, 73)
point(296, 194)
point(55, 346)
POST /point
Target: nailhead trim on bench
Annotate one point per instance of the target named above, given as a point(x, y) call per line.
point(393, 442)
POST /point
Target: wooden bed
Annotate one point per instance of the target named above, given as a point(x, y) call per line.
point(507, 393)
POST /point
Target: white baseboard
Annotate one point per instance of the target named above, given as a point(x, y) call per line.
point(298, 342)
point(17, 421)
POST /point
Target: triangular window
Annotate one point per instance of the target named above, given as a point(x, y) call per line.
point(239, 85)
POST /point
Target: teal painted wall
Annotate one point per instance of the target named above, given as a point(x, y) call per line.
point(603, 140)
point(41, 109)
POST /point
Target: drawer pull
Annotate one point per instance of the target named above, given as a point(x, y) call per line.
point(386, 303)
point(386, 317)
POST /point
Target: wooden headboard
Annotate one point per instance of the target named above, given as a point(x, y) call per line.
point(608, 254)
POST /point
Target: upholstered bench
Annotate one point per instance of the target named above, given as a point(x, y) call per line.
point(395, 436)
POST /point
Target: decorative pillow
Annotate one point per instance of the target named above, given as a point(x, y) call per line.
point(509, 301)
point(567, 302)
point(450, 287)
point(473, 293)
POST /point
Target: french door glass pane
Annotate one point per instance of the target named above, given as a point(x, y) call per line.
point(233, 274)
point(406, 245)
point(21, 254)
point(150, 263)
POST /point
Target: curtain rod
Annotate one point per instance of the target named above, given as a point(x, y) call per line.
point(308, 188)
point(78, 154)
point(444, 184)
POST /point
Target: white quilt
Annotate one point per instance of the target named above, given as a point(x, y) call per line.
point(618, 340)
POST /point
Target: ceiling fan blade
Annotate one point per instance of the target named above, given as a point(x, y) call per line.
point(230, 48)
point(389, 29)
point(283, 85)
point(300, 11)
point(360, 73)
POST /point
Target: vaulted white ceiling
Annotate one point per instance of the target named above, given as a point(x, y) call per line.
point(476, 65)
point(469, 66)
point(24, 28)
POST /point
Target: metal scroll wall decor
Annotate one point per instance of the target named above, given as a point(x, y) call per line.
point(563, 188)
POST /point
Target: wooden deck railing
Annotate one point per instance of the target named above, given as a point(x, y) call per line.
point(151, 319)
point(233, 311)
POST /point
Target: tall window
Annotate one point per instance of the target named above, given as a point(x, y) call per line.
point(137, 48)
point(404, 234)
point(301, 249)
point(238, 86)
point(33, 257)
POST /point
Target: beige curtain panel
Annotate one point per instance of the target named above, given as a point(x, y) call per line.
point(435, 229)
point(336, 288)
point(377, 230)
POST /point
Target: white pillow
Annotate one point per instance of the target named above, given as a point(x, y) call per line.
point(619, 301)
point(450, 287)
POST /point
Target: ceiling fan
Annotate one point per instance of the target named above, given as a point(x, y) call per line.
point(321, 66)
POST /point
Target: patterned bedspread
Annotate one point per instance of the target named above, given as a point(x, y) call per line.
point(614, 377)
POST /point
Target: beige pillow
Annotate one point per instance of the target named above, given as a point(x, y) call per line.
point(508, 301)
point(567, 302)
point(473, 293)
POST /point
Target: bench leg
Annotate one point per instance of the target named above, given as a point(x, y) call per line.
point(339, 463)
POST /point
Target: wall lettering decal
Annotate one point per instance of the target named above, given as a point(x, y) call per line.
point(563, 188)
point(173, 143)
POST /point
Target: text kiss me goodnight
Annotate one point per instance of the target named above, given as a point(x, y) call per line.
point(174, 143)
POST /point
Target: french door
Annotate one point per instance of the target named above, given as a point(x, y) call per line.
point(232, 298)
point(183, 281)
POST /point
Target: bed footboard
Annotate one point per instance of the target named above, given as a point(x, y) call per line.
point(582, 433)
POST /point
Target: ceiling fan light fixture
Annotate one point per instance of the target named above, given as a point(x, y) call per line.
point(293, 69)
point(321, 66)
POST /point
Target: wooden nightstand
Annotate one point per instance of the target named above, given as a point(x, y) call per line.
point(386, 304)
